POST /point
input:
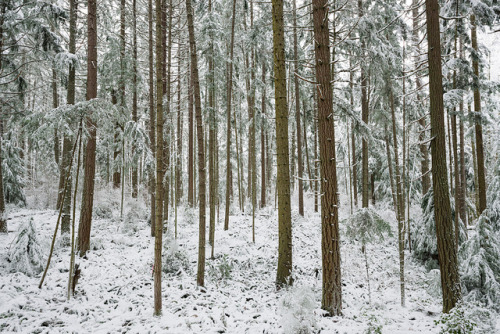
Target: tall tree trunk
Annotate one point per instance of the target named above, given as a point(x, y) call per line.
point(178, 165)
point(364, 118)
point(70, 99)
point(89, 174)
point(252, 182)
point(300, 166)
point(481, 173)
point(152, 124)
point(263, 157)
point(159, 161)
point(135, 174)
point(450, 281)
point(400, 213)
point(283, 276)
point(330, 242)
point(200, 278)
point(228, 118)
point(424, 159)
point(167, 91)
point(190, 164)
point(353, 145)
point(212, 120)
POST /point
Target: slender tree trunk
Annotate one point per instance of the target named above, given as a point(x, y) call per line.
point(353, 143)
point(212, 120)
point(178, 165)
point(481, 174)
point(70, 98)
point(364, 117)
point(330, 242)
point(284, 271)
point(190, 164)
point(450, 281)
point(3, 218)
point(252, 182)
point(152, 116)
point(297, 112)
point(228, 118)
point(200, 279)
point(135, 174)
point(263, 157)
point(424, 166)
point(167, 91)
point(400, 213)
point(89, 174)
point(159, 162)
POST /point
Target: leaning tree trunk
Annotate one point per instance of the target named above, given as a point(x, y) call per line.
point(330, 242)
point(450, 280)
point(89, 173)
point(284, 271)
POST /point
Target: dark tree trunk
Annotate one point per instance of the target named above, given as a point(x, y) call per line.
point(330, 243)
point(284, 271)
point(200, 278)
point(450, 281)
point(89, 174)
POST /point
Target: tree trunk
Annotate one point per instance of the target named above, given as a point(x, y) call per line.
point(135, 162)
point(297, 112)
point(332, 285)
point(212, 120)
point(263, 157)
point(190, 164)
point(159, 162)
point(152, 124)
point(70, 98)
point(89, 174)
point(450, 281)
point(284, 271)
point(424, 166)
point(481, 173)
point(229, 88)
point(200, 278)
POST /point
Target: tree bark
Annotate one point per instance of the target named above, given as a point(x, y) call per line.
point(152, 124)
point(330, 240)
point(283, 276)
point(200, 278)
point(447, 255)
point(89, 171)
point(481, 173)
point(228, 118)
point(300, 166)
point(135, 174)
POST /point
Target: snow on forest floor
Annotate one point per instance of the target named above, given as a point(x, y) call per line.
point(115, 291)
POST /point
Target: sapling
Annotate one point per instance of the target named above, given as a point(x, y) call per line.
point(367, 226)
point(25, 254)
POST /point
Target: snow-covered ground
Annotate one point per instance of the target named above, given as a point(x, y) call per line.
point(115, 291)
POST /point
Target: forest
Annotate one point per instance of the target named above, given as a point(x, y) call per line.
point(248, 166)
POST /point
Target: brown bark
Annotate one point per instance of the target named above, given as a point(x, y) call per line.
point(200, 277)
point(450, 281)
point(330, 241)
point(481, 173)
point(364, 118)
point(284, 270)
point(89, 171)
point(152, 125)
point(190, 164)
point(263, 157)
point(159, 163)
point(424, 166)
